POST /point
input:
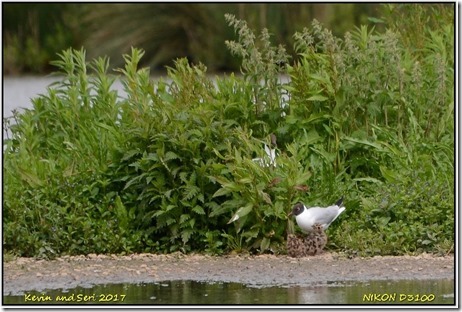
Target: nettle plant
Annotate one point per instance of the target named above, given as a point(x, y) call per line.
point(259, 194)
point(176, 159)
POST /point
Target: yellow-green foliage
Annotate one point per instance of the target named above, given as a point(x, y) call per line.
point(169, 167)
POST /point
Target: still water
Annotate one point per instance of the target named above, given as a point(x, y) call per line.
point(191, 292)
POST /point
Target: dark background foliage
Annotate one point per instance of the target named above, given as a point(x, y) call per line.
point(35, 32)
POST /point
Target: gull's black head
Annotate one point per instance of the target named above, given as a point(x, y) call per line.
point(298, 209)
point(273, 140)
point(339, 202)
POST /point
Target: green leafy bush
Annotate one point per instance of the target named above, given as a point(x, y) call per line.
point(170, 166)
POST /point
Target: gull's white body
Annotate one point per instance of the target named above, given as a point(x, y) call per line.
point(307, 217)
point(270, 158)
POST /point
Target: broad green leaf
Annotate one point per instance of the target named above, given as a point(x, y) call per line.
point(219, 210)
point(375, 20)
point(130, 154)
point(389, 175)
point(318, 97)
point(199, 210)
point(121, 212)
point(186, 235)
point(311, 137)
point(368, 179)
point(190, 192)
point(265, 243)
point(170, 155)
point(221, 192)
point(184, 217)
point(367, 203)
point(30, 178)
point(365, 142)
point(327, 156)
point(241, 212)
point(245, 180)
point(302, 178)
point(265, 197)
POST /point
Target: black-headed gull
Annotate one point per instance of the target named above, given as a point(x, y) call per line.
point(307, 217)
point(270, 158)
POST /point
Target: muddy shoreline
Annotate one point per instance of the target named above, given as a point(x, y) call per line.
point(26, 274)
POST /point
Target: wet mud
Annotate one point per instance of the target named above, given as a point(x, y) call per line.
point(25, 274)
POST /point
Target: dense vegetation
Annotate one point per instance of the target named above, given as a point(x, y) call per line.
point(166, 168)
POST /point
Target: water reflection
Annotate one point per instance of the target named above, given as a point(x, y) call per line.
point(191, 292)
